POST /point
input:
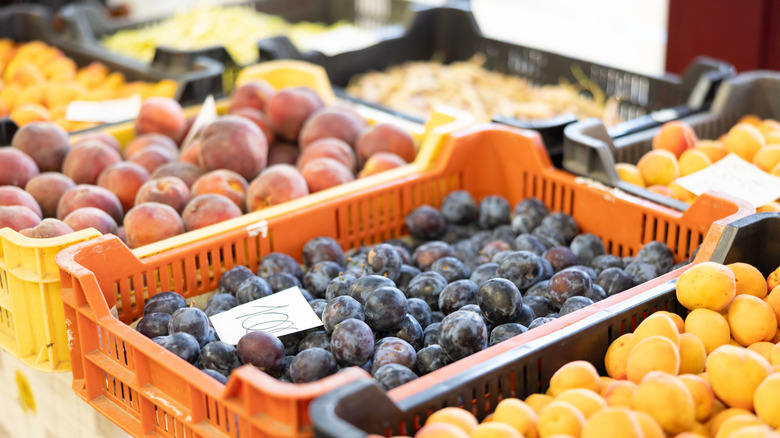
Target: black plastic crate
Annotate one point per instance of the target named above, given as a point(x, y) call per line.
point(451, 33)
point(361, 407)
point(591, 151)
point(27, 22)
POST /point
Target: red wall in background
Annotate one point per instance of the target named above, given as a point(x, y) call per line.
point(743, 32)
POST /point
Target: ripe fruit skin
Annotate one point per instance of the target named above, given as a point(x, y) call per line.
point(735, 373)
point(708, 285)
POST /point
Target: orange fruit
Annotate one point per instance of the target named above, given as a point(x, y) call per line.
point(658, 167)
point(709, 326)
point(708, 285)
point(677, 319)
point(662, 190)
point(560, 417)
point(517, 414)
point(766, 400)
point(750, 119)
point(751, 320)
point(656, 353)
point(719, 418)
point(763, 348)
point(616, 358)
point(749, 280)
point(735, 423)
point(735, 373)
point(681, 192)
point(494, 430)
point(538, 401)
point(744, 140)
point(441, 430)
point(619, 393)
point(576, 374)
point(692, 354)
point(713, 148)
point(675, 137)
point(630, 174)
point(767, 157)
point(703, 396)
point(587, 401)
point(657, 324)
point(665, 398)
point(612, 422)
point(650, 427)
point(754, 431)
point(692, 161)
point(461, 418)
point(769, 207)
point(773, 279)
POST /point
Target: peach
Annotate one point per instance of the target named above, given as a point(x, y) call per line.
point(324, 173)
point(100, 137)
point(352, 112)
point(333, 148)
point(278, 183)
point(379, 162)
point(47, 189)
point(151, 222)
point(167, 190)
point(48, 228)
point(91, 217)
point(162, 115)
point(283, 153)
point(222, 182)
point(289, 109)
point(189, 154)
point(658, 167)
point(692, 161)
point(187, 172)
point(255, 94)
point(45, 142)
point(233, 143)
point(675, 137)
point(153, 157)
point(744, 140)
point(330, 122)
point(385, 137)
point(713, 148)
point(16, 167)
point(85, 163)
point(18, 217)
point(124, 179)
point(85, 195)
point(12, 195)
point(121, 233)
point(208, 209)
point(144, 141)
point(258, 118)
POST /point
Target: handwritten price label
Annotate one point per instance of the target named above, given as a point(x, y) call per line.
point(279, 314)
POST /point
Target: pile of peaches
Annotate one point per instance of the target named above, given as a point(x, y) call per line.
point(271, 146)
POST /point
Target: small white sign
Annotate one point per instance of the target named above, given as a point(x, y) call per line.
point(736, 177)
point(279, 314)
point(105, 111)
point(206, 115)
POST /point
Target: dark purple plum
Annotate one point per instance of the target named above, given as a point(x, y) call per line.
point(181, 344)
point(493, 211)
point(456, 295)
point(339, 286)
point(560, 257)
point(427, 253)
point(586, 269)
point(352, 252)
point(506, 331)
point(481, 238)
point(462, 334)
point(232, 279)
point(393, 375)
point(403, 252)
point(315, 339)
point(500, 301)
point(340, 309)
point(407, 273)
point(523, 268)
point(426, 223)
point(189, 320)
point(420, 310)
point(263, 350)
point(472, 308)
point(604, 261)
point(450, 268)
point(319, 275)
point(500, 256)
point(457, 233)
point(494, 247)
point(431, 334)
point(384, 260)
point(215, 375)
point(597, 293)
point(539, 305)
point(437, 316)
point(529, 242)
point(539, 321)
point(393, 350)
point(279, 262)
point(164, 302)
point(538, 289)
point(465, 249)
point(427, 286)
point(363, 286)
point(284, 371)
point(318, 305)
point(483, 273)
point(279, 281)
point(219, 303)
point(587, 246)
point(548, 270)
point(504, 233)
point(385, 308)
point(627, 260)
point(290, 342)
point(527, 315)
point(410, 331)
point(641, 272)
point(525, 223)
point(573, 304)
point(311, 365)
point(614, 281)
point(563, 223)
point(220, 357)
point(253, 288)
point(321, 249)
point(307, 296)
point(657, 254)
point(154, 324)
point(459, 207)
point(567, 284)
point(431, 358)
point(352, 342)
point(533, 207)
point(548, 236)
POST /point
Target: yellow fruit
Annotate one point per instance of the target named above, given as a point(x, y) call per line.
point(749, 280)
point(675, 137)
point(763, 348)
point(538, 401)
point(692, 161)
point(517, 414)
point(441, 430)
point(735, 423)
point(616, 358)
point(768, 126)
point(767, 158)
point(773, 299)
point(744, 140)
point(769, 207)
point(461, 418)
point(774, 355)
point(630, 174)
point(667, 400)
point(714, 149)
point(751, 320)
point(587, 401)
point(494, 430)
point(701, 391)
point(722, 416)
point(656, 353)
point(750, 119)
point(735, 373)
point(576, 374)
point(650, 427)
point(657, 324)
point(708, 285)
point(658, 167)
point(619, 393)
point(709, 326)
point(560, 417)
point(754, 431)
point(692, 354)
point(612, 422)
point(766, 400)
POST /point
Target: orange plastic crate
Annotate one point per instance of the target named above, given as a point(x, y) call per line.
point(145, 389)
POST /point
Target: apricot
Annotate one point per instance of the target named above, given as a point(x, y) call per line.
point(85, 195)
point(223, 182)
point(692, 161)
point(619, 393)
point(333, 148)
point(769, 207)
point(91, 217)
point(680, 192)
point(18, 217)
point(560, 417)
point(767, 158)
point(773, 299)
point(379, 162)
point(613, 422)
point(167, 190)
point(665, 398)
point(692, 354)
point(735, 373)
point(744, 140)
point(751, 320)
point(324, 173)
point(538, 401)
point(629, 173)
point(47, 189)
point(153, 157)
point(707, 285)
point(658, 167)
point(258, 118)
point(662, 190)
point(576, 374)
point(385, 137)
point(28, 113)
point(85, 163)
point(61, 94)
point(616, 358)
point(254, 94)
point(655, 353)
point(48, 228)
point(701, 391)
point(675, 137)
point(99, 137)
point(712, 148)
point(151, 222)
point(278, 183)
point(766, 400)
point(587, 401)
point(123, 179)
point(187, 172)
point(441, 430)
point(493, 429)
point(46, 143)
point(16, 167)
point(233, 143)
point(162, 115)
point(709, 326)
point(283, 153)
point(657, 324)
point(329, 122)
point(144, 141)
point(289, 108)
point(12, 195)
point(208, 209)
point(461, 418)
point(518, 414)
point(749, 280)
point(650, 427)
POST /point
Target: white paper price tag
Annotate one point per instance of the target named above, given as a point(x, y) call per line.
point(279, 314)
point(106, 111)
point(736, 177)
point(206, 115)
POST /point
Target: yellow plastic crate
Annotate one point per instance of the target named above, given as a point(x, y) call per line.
point(32, 322)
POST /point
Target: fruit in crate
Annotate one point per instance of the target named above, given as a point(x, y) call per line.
point(679, 388)
point(39, 82)
point(678, 152)
point(468, 276)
